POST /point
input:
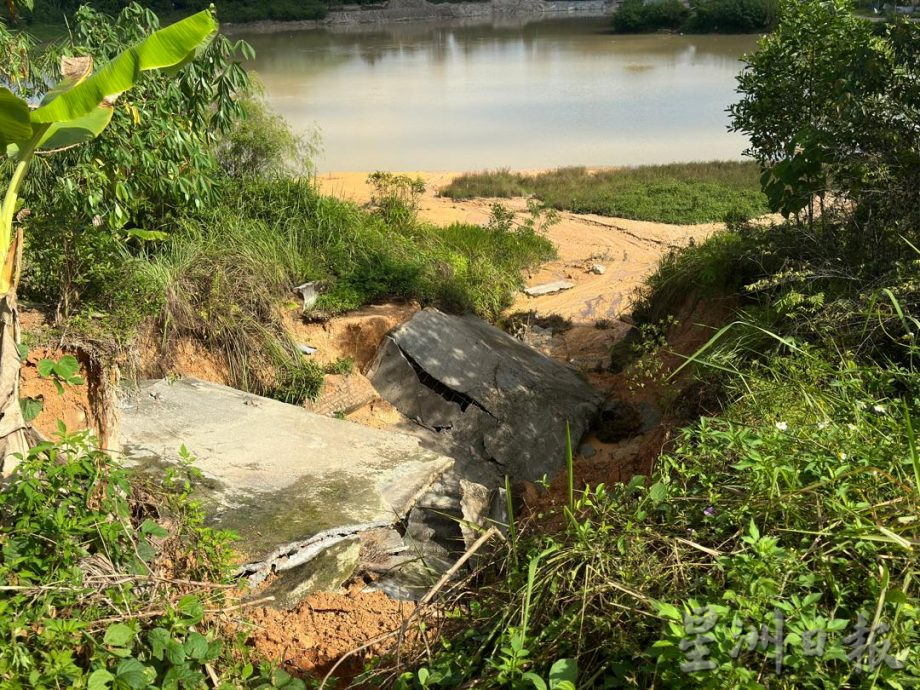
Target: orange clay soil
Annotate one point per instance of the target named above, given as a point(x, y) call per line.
point(310, 639)
point(678, 398)
point(80, 407)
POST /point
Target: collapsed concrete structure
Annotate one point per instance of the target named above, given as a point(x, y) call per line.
point(313, 497)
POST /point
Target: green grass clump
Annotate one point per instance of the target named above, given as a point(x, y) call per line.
point(676, 193)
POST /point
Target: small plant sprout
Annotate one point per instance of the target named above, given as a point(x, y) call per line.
point(63, 371)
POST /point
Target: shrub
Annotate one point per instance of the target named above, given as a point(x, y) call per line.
point(85, 215)
point(731, 16)
point(395, 197)
point(261, 144)
point(98, 592)
point(640, 16)
point(850, 137)
point(702, 16)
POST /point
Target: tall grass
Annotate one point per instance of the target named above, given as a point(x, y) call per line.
point(676, 193)
point(224, 277)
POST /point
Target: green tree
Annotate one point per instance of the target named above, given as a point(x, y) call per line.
point(831, 105)
point(77, 110)
point(637, 16)
point(91, 203)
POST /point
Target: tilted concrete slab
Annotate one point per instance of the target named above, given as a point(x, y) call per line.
point(275, 473)
point(500, 407)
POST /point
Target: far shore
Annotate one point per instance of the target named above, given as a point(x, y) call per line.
point(421, 11)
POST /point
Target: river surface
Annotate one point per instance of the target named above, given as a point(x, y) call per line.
point(529, 95)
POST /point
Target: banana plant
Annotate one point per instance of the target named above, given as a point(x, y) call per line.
point(77, 110)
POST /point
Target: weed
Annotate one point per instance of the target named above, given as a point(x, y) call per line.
point(342, 366)
point(395, 197)
point(62, 372)
point(104, 579)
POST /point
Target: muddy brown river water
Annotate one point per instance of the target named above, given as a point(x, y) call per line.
point(445, 96)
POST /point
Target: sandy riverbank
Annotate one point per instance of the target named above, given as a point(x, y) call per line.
point(628, 250)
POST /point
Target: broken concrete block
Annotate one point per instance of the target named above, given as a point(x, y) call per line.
point(548, 288)
point(327, 572)
point(500, 407)
point(598, 269)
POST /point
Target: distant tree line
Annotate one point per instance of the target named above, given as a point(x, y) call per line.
point(233, 11)
point(699, 16)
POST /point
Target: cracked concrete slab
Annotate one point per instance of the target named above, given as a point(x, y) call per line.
point(500, 406)
point(275, 473)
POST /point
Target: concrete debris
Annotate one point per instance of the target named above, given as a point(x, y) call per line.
point(548, 288)
point(598, 269)
point(291, 483)
point(500, 407)
point(310, 294)
point(326, 572)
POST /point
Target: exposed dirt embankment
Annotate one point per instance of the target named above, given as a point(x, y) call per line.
point(87, 406)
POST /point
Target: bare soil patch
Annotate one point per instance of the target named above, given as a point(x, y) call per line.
point(310, 639)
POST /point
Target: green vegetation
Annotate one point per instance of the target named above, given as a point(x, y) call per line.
point(851, 134)
point(675, 193)
point(57, 12)
point(53, 13)
point(207, 231)
point(222, 274)
point(639, 16)
point(113, 582)
point(700, 16)
point(797, 504)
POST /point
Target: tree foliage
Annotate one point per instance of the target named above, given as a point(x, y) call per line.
point(129, 185)
point(701, 16)
point(731, 16)
point(638, 16)
point(831, 105)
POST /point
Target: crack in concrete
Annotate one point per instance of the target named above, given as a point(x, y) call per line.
point(462, 400)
